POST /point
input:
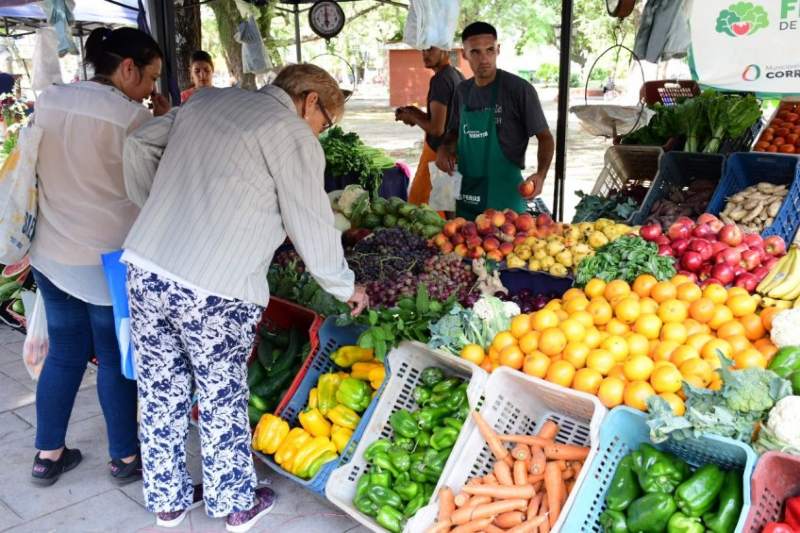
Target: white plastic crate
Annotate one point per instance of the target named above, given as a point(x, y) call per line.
point(515, 403)
point(406, 363)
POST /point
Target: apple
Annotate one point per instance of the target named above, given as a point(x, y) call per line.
point(679, 246)
point(713, 222)
point(526, 189)
point(461, 249)
point(705, 270)
point(685, 221)
point(446, 247)
point(450, 228)
point(511, 216)
point(650, 232)
point(544, 220)
point(775, 246)
point(747, 281)
point(520, 239)
point(662, 239)
point(679, 231)
point(723, 272)
point(750, 260)
point(460, 221)
point(665, 250)
point(710, 281)
point(506, 248)
point(738, 270)
point(439, 239)
point(770, 262)
point(484, 225)
point(717, 247)
point(692, 261)
point(509, 229)
point(731, 235)
point(473, 241)
point(730, 256)
point(525, 222)
point(498, 219)
point(701, 246)
point(691, 275)
point(457, 239)
point(490, 244)
point(703, 231)
point(476, 252)
point(469, 229)
point(494, 255)
point(760, 273)
point(753, 240)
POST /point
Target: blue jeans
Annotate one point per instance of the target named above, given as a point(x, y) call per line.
point(78, 330)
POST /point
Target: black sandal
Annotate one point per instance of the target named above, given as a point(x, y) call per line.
point(124, 473)
point(46, 471)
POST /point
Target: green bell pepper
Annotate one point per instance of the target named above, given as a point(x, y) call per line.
point(443, 437)
point(794, 377)
point(624, 488)
point(453, 423)
point(458, 397)
point(650, 513)
point(403, 424)
point(382, 461)
point(431, 376)
point(658, 471)
point(362, 485)
point(697, 494)
point(380, 477)
point(365, 505)
point(407, 490)
point(355, 394)
point(423, 439)
point(428, 417)
point(446, 385)
point(422, 395)
point(417, 471)
point(400, 458)
point(730, 505)
point(317, 464)
point(405, 443)
point(382, 496)
point(786, 361)
point(680, 523)
point(427, 489)
point(416, 503)
point(390, 518)
point(613, 521)
point(434, 463)
point(380, 445)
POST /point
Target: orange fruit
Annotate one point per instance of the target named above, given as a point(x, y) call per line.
point(648, 306)
point(627, 310)
point(689, 292)
point(520, 325)
point(638, 368)
point(561, 314)
point(697, 367)
point(616, 289)
point(561, 372)
point(618, 371)
point(673, 310)
point(716, 384)
point(766, 347)
point(571, 293)
point(617, 327)
point(536, 364)
point(644, 284)
point(576, 353)
point(552, 341)
point(553, 305)
point(543, 319)
point(683, 353)
point(662, 291)
point(666, 378)
point(648, 325)
point(753, 327)
point(587, 380)
point(529, 342)
point(736, 291)
point(702, 310)
point(600, 360)
point(674, 331)
point(503, 339)
point(680, 279)
point(611, 392)
point(636, 394)
point(487, 365)
point(638, 344)
point(664, 350)
point(675, 402)
point(750, 358)
point(594, 288)
point(741, 304)
point(739, 343)
point(722, 314)
point(593, 338)
point(512, 356)
point(712, 349)
point(473, 353)
point(731, 328)
point(698, 340)
point(584, 317)
point(601, 311)
point(694, 381)
point(693, 326)
point(616, 346)
point(716, 293)
point(767, 314)
point(579, 303)
point(494, 353)
point(573, 330)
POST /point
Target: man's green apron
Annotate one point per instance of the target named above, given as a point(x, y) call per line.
point(489, 180)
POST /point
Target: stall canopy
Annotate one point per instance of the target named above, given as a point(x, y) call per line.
point(118, 12)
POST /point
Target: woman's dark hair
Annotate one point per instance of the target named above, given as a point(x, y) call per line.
point(106, 49)
point(202, 55)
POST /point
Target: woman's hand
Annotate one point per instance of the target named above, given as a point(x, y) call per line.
point(358, 301)
point(161, 105)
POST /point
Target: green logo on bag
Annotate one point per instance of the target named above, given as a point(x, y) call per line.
point(741, 19)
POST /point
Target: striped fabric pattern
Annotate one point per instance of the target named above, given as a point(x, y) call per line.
point(222, 181)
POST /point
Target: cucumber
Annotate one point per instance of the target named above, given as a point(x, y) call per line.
point(254, 414)
point(257, 401)
point(264, 353)
point(7, 289)
point(272, 385)
point(18, 307)
point(255, 374)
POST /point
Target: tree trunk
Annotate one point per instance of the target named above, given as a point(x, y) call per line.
point(187, 29)
point(227, 22)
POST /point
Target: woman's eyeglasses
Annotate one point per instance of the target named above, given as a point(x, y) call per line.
point(328, 121)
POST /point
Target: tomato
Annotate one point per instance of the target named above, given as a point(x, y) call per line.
point(786, 149)
point(792, 138)
point(762, 145)
point(777, 141)
point(770, 130)
point(772, 148)
point(767, 136)
point(792, 117)
point(781, 132)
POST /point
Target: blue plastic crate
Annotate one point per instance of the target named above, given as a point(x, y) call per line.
point(623, 430)
point(539, 282)
point(747, 169)
point(331, 337)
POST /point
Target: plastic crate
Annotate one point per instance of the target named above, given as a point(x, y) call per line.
point(518, 279)
point(407, 362)
point(624, 429)
point(776, 478)
point(744, 170)
point(678, 169)
point(668, 92)
point(743, 143)
point(517, 403)
point(626, 166)
point(331, 338)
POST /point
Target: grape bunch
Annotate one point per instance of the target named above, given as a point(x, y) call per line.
point(389, 253)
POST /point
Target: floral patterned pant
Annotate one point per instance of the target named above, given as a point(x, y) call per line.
point(182, 339)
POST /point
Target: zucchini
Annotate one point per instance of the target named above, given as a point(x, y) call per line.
point(257, 400)
point(255, 374)
point(7, 289)
point(254, 414)
point(264, 352)
point(293, 344)
point(282, 339)
point(272, 385)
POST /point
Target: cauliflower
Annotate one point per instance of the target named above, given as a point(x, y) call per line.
point(333, 198)
point(349, 197)
point(341, 222)
point(511, 309)
point(784, 420)
point(786, 328)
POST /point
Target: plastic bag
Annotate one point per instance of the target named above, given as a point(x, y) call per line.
point(445, 189)
point(254, 57)
point(46, 67)
point(37, 341)
point(116, 276)
point(18, 196)
point(431, 23)
point(59, 16)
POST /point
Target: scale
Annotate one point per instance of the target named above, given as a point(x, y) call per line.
point(620, 8)
point(326, 18)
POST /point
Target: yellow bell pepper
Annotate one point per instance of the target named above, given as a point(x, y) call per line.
point(340, 436)
point(313, 398)
point(308, 453)
point(347, 355)
point(327, 385)
point(344, 416)
point(361, 370)
point(376, 377)
point(269, 433)
point(313, 422)
point(286, 452)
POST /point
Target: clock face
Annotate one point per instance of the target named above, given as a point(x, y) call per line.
point(326, 18)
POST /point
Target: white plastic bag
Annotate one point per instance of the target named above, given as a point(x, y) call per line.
point(254, 56)
point(37, 341)
point(431, 23)
point(445, 189)
point(46, 67)
point(18, 196)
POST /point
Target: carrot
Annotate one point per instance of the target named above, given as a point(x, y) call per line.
point(473, 526)
point(538, 485)
point(479, 500)
point(567, 474)
point(520, 473)
point(491, 438)
point(567, 452)
point(503, 473)
point(562, 491)
point(549, 430)
point(440, 527)
point(521, 452)
point(537, 478)
point(489, 479)
point(529, 526)
point(487, 510)
point(491, 528)
point(530, 440)
point(502, 493)
point(446, 503)
point(509, 519)
point(533, 506)
point(562, 465)
point(475, 481)
point(537, 460)
point(569, 486)
point(544, 527)
point(461, 499)
point(552, 485)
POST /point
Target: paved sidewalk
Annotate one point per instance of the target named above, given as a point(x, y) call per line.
point(86, 499)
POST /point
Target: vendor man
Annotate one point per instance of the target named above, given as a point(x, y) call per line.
point(494, 116)
point(434, 120)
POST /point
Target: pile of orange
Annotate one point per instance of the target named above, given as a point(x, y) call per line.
point(625, 342)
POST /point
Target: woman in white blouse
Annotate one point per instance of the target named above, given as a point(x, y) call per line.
point(84, 212)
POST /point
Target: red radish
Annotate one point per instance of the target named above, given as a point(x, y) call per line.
point(723, 272)
point(731, 235)
point(650, 232)
point(691, 261)
point(774, 245)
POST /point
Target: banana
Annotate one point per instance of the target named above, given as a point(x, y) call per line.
point(796, 304)
point(793, 294)
point(789, 283)
point(778, 272)
point(784, 304)
point(766, 301)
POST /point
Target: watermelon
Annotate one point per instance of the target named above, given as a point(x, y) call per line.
point(12, 271)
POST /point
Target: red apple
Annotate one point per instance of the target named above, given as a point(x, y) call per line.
point(439, 239)
point(498, 219)
point(760, 273)
point(731, 235)
point(717, 247)
point(526, 189)
point(691, 275)
point(457, 239)
point(519, 239)
point(476, 252)
point(494, 255)
point(723, 272)
point(747, 281)
point(525, 222)
point(544, 220)
point(774, 245)
point(692, 261)
point(509, 229)
point(473, 241)
point(665, 250)
point(484, 225)
point(446, 247)
point(461, 249)
point(701, 246)
point(490, 244)
point(753, 240)
point(750, 259)
point(679, 231)
point(706, 218)
point(460, 221)
point(469, 229)
point(769, 262)
point(710, 281)
point(650, 232)
point(511, 216)
point(506, 248)
point(450, 228)
point(703, 231)
point(680, 246)
point(662, 240)
point(685, 221)
point(730, 256)
point(705, 270)
point(738, 270)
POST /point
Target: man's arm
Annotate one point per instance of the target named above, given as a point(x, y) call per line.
point(141, 155)
point(435, 125)
point(544, 157)
point(536, 125)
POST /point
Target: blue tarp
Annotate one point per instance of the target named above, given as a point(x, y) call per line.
point(85, 11)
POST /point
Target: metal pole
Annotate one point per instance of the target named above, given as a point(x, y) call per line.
point(297, 33)
point(563, 103)
point(80, 45)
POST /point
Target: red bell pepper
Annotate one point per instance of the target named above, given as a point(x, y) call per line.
point(778, 527)
point(792, 513)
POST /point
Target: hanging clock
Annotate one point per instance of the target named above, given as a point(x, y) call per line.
point(326, 18)
point(620, 8)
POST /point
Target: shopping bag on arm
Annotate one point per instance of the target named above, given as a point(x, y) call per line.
point(445, 189)
point(116, 275)
point(37, 341)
